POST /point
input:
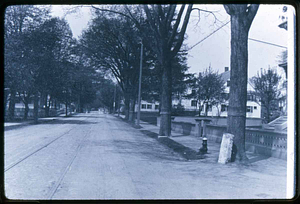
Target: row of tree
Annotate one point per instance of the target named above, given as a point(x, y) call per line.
point(44, 62)
point(42, 59)
point(112, 44)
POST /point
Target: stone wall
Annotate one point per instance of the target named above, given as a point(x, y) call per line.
point(264, 142)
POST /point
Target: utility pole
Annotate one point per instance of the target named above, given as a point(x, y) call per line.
point(140, 86)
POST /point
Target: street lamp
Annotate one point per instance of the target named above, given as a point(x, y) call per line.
point(140, 87)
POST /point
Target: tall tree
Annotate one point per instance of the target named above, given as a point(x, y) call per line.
point(19, 20)
point(112, 45)
point(241, 17)
point(167, 30)
point(168, 38)
point(50, 46)
point(266, 86)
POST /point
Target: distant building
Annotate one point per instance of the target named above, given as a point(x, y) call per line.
point(253, 104)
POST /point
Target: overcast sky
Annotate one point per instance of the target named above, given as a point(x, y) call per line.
point(215, 50)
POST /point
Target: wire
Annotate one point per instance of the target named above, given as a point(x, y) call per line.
point(248, 39)
point(267, 43)
point(207, 36)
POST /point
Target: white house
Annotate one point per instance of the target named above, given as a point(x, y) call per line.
point(253, 104)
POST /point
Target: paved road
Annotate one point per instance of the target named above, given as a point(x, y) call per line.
point(98, 156)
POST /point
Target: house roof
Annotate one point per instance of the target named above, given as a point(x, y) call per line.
point(225, 76)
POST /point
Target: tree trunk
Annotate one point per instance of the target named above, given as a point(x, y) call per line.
point(127, 104)
point(66, 109)
point(166, 99)
point(5, 101)
point(241, 16)
point(36, 108)
point(236, 121)
point(26, 109)
point(131, 111)
point(12, 104)
point(46, 106)
point(206, 109)
point(119, 101)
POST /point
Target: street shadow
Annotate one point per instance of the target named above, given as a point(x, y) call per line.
point(13, 127)
point(149, 150)
point(75, 122)
point(184, 151)
point(258, 158)
point(87, 116)
point(50, 122)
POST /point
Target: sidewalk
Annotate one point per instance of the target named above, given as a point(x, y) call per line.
point(258, 163)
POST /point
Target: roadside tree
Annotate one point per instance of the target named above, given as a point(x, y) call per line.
point(266, 87)
point(112, 45)
point(209, 88)
point(241, 17)
point(19, 21)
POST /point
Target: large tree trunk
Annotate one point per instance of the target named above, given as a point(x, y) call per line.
point(36, 108)
point(242, 16)
point(236, 121)
point(166, 99)
point(12, 104)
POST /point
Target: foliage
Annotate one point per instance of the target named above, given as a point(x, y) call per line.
point(181, 80)
point(209, 88)
point(19, 21)
point(266, 86)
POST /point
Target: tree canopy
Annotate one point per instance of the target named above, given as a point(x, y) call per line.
point(266, 85)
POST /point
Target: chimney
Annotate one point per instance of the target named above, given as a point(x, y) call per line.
point(226, 69)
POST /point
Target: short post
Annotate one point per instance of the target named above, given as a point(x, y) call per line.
point(226, 148)
point(203, 149)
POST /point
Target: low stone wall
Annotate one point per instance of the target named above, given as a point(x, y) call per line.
point(264, 142)
point(184, 128)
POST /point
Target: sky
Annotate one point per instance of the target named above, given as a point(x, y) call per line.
point(214, 50)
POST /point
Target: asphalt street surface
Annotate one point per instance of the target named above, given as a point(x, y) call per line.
point(99, 156)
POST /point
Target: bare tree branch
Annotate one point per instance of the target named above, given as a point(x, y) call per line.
point(183, 29)
point(175, 27)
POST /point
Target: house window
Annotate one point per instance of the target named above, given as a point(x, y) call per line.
point(193, 92)
point(156, 107)
point(255, 107)
point(223, 108)
point(143, 106)
point(149, 106)
point(228, 83)
point(249, 109)
point(194, 103)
